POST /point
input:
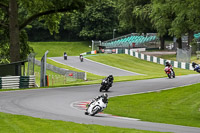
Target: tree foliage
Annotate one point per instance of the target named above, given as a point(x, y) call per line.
point(99, 20)
point(134, 15)
point(176, 17)
point(15, 15)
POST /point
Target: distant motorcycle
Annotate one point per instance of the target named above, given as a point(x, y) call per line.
point(81, 58)
point(105, 85)
point(169, 72)
point(65, 56)
point(96, 106)
point(196, 67)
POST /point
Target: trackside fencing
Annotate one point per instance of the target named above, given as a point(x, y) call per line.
point(62, 71)
point(154, 59)
point(16, 82)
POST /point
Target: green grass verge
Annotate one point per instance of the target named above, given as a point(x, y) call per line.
point(58, 48)
point(90, 76)
point(126, 62)
point(55, 79)
point(25, 124)
point(180, 106)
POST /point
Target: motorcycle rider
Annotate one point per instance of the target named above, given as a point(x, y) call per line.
point(65, 56)
point(110, 79)
point(196, 67)
point(167, 64)
point(104, 97)
point(81, 57)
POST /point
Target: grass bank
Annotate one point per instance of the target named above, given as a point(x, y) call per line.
point(57, 49)
point(126, 62)
point(25, 124)
point(180, 106)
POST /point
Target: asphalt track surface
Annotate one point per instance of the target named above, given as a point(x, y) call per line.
point(93, 67)
point(58, 103)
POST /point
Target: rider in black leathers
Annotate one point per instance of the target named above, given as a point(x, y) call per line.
point(110, 79)
point(196, 67)
point(65, 56)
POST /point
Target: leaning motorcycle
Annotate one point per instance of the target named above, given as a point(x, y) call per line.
point(96, 106)
point(197, 69)
point(169, 72)
point(105, 85)
point(81, 58)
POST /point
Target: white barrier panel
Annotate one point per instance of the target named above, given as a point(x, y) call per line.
point(191, 68)
point(161, 61)
point(154, 59)
point(131, 52)
point(148, 58)
point(142, 56)
point(126, 51)
point(136, 54)
point(183, 65)
point(176, 64)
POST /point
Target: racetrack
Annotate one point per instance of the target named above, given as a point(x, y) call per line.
point(57, 103)
point(93, 67)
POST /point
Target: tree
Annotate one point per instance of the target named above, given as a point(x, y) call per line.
point(133, 15)
point(161, 17)
point(98, 20)
point(176, 17)
point(17, 14)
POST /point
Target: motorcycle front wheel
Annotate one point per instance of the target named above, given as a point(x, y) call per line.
point(95, 110)
point(174, 75)
point(101, 88)
point(169, 75)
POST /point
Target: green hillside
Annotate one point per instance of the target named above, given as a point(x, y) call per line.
point(58, 48)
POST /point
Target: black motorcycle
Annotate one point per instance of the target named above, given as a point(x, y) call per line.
point(81, 58)
point(105, 85)
point(65, 56)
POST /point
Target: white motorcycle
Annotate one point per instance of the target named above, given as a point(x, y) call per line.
point(96, 106)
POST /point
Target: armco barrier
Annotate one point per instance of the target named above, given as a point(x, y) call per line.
point(62, 71)
point(16, 82)
point(154, 59)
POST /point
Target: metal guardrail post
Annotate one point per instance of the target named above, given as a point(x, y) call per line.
point(43, 70)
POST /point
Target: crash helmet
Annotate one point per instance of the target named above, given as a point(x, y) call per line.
point(110, 76)
point(167, 62)
point(104, 95)
point(193, 64)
